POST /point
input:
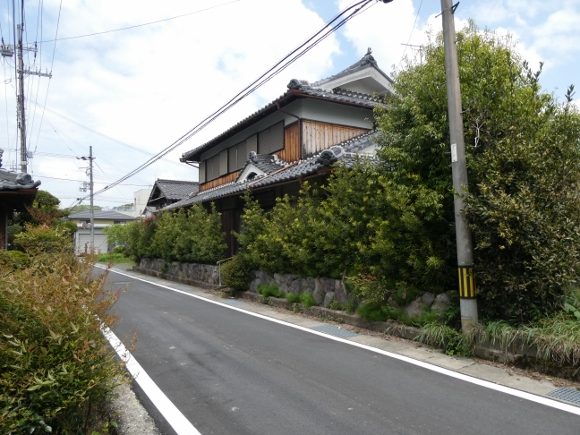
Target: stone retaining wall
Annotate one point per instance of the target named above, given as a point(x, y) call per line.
point(206, 275)
point(324, 290)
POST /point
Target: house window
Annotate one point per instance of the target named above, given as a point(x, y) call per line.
point(238, 154)
point(271, 139)
point(216, 166)
point(202, 172)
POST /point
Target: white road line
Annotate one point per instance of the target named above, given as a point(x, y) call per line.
point(482, 383)
point(180, 424)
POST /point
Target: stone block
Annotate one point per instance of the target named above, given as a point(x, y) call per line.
point(328, 298)
point(318, 295)
point(340, 293)
point(428, 298)
point(441, 303)
point(415, 308)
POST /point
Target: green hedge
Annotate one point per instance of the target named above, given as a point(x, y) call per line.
point(193, 235)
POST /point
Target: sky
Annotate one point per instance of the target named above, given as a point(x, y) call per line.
point(131, 93)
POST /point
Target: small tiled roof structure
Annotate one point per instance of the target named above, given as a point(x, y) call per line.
point(101, 215)
point(345, 152)
point(301, 89)
point(16, 192)
point(366, 61)
point(165, 192)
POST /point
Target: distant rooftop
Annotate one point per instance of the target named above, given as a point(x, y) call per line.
point(102, 215)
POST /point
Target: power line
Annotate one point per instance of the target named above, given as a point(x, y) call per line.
point(278, 67)
point(135, 26)
point(77, 123)
point(49, 81)
point(96, 181)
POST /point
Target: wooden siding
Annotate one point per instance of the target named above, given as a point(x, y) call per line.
point(219, 181)
point(291, 151)
point(318, 136)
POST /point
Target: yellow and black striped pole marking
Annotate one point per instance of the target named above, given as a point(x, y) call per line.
point(466, 282)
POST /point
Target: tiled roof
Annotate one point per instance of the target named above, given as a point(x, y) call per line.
point(344, 152)
point(176, 189)
point(366, 61)
point(265, 162)
point(13, 181)
point(101, 214)
point(296, 89)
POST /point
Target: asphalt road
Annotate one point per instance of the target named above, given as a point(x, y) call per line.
point(231, 373)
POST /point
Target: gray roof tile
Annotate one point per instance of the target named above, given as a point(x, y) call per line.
point(102, 214)
point(13, 181)
point(176, 189)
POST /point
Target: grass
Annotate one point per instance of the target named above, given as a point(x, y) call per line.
point(555, 339)
point(444, 337)
point(114, 258)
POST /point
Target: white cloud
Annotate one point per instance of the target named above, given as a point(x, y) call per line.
point(148, 86)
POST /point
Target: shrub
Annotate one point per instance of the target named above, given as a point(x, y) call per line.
point(56, 365)
point(293, 298)
point(236, 273)
point(12, 260)
point(267, 290)
point(43, 240)
point(307, 299)
point(192, 235)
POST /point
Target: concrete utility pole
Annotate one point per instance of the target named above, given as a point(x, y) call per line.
point(8, 51)
point(92, 205)
point(467, 291)
point(90, 158)
point(20, 103)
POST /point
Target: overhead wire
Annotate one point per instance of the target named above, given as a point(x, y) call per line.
point(412, 31)
point(278, 67)
point(135, 26)
point(50, 70)
point(38, 54)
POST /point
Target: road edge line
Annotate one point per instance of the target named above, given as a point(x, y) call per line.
point(178, 422)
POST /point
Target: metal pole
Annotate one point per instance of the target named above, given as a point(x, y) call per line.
point(467, 291)
point(91, 195)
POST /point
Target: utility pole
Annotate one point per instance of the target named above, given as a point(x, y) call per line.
point(92, 205)
point(8, 51)
point(20, 102)
point(90, 158)
point(467, 291)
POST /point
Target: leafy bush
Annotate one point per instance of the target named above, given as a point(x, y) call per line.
point(192, 235)
point(307, 299)
point(56, 365)
point(522, 156)
point(293, 298)
point(267, 290)
point(12, 260)
point(43, 240)
point(236, 273)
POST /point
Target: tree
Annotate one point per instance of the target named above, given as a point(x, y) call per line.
point(523, 153)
